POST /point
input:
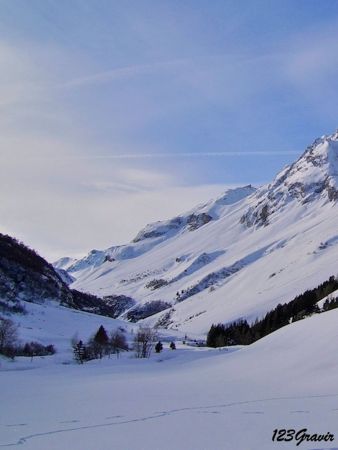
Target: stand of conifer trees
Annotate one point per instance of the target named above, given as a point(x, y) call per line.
point(241, 333)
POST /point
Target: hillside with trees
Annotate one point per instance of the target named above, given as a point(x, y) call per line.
point(27, 277)
point(305, 304)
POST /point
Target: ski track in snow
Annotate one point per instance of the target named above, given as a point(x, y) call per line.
point(157, 414)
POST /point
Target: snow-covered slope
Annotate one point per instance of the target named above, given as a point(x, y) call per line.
point(64, 263)
point(194, 399)
point(154, 234)
point(238, 256)
point(51, 323)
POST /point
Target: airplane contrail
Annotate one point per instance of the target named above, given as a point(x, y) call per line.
point(177, 155)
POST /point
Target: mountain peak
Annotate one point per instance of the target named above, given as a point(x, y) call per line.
point(314, 176)
point(315, 173)
point(323, 152)
point(323, 139)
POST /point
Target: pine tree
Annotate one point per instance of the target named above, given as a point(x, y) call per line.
point(101, 336)
point(158, 347)
point(100, 342)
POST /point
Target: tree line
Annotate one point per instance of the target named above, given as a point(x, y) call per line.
point(303, 305)
point(103, 344)
point(11, 346)
point(99, 345)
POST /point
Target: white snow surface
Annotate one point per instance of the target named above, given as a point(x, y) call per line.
point(239, 256)
point(189, 399)
point(64, 263)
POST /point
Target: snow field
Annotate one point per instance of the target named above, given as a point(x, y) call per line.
point(188, 399)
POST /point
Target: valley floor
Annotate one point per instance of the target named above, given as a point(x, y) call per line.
point(188, 399)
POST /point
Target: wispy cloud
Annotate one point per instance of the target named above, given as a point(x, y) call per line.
point(191, 65)
point(311, 68)
point(124, 72)
point(315, 59)
point(173, 155)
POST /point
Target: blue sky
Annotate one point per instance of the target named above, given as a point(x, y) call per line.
point(108, 107)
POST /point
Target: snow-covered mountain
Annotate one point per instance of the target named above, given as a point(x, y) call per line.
point(237, 256)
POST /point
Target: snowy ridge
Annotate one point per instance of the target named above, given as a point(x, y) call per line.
point(64, 263)
point(197, 217)
point(236, 256)
point(157, 232)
